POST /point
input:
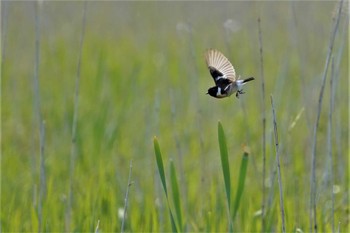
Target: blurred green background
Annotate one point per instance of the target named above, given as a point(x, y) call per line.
point(143, 75)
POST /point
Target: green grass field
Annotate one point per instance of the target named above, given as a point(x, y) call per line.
point(143, 74)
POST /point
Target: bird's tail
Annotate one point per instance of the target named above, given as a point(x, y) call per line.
point(248, 79)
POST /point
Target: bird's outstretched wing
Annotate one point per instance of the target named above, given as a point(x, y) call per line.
point(219, 66)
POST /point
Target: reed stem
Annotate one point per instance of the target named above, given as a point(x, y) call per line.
point(278, 165)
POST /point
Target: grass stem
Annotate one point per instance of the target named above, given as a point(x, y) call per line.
point(41, 124)
point(329, 142)
point(278, 165)
point(97, 230)
point(37, 104)
point(263, 126)
point(313, 207)
point(126, 197)
point(74, 125)
point(42, 187)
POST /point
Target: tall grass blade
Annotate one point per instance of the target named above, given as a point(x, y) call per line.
point(42, 187)
point(162, 177)
point(263, 125)
point(224, 162)
point(278, 165)
point(329, 142)
point(241, 181)
point(37, 99)
point(313, 208)
point(225, 169)
point(160, 165)
point(176, 195)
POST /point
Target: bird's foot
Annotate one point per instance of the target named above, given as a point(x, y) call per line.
point(240, 92)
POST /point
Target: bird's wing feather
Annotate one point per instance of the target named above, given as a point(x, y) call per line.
point(219, 65)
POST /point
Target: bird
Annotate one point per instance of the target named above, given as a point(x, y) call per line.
point(224, 76)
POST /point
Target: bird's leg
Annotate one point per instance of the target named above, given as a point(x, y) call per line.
point(239, 92)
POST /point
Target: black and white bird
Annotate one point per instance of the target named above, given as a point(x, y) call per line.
point(224, 75)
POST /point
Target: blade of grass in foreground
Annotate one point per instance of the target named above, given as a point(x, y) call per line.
point(162, 177)
point(224, 162)
point(241, 181)
point(160, 164)
point(176, 195)
point(225, 169)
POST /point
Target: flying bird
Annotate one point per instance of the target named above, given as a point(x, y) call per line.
point(224, 75)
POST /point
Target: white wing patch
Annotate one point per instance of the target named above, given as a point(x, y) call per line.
point(219, 94)
point(218, 61)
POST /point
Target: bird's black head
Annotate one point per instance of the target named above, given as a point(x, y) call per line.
point(213, 91)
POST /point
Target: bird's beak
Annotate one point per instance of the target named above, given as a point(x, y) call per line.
point(207, 93)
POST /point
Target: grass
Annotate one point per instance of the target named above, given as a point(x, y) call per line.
point(160, 166)
point(142, 73)
point(263, 126)
point(278, 166)
point(313, 209)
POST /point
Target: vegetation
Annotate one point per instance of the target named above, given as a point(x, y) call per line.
point(81, 99)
